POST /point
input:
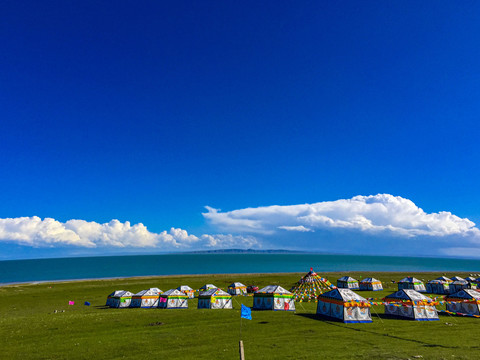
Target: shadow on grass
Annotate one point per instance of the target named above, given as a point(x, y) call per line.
point(103, 307)
point(363, 330)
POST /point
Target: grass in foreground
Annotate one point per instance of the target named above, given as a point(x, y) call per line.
point(30, 329)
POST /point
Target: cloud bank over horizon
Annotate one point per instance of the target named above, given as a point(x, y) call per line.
point(377, 224)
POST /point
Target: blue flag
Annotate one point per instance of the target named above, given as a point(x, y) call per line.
point(246, 312)
point(87, 303)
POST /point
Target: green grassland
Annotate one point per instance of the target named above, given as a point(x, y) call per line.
point(31, 329)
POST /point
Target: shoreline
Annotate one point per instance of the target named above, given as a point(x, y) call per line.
point(68, 281)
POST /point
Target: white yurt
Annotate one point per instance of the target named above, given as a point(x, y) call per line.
point(458, 285)
point(237, 288)
point(347, 282)
point(273, 297)
point(146, 298)
point(410, 304)
point(119, 299)
point(411, 283)
point(466, 301)
point(371, 284)
point(214, 299)
point(438, 287)
point(173, 299)
point(344, 305)
point(187, 290)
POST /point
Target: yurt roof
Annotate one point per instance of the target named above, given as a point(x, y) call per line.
point(121, 293)
point(437, 281)
point(184, 288)
point(370, 280)
point(149, 292)
point(409, 279)
point(236, 284)
point(273, 289)
point(347, 278)
point(212, 292)
point(407, 294)
point(460, 282)
point(457, 278)
point(206, 286)
point(444, 278)
point(173, 292)
point(465, 294)
point(342, 294)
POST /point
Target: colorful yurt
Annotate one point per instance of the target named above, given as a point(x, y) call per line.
point(310, 286)
point(458, 285)
point(173, 299)
point(457, 278)
point(207, 287)
point(410, 304)
point(438, 287)
point(347, 282)
point(237, 288)
point(146, 298)
point(411, 283)
point(371, 284)
point(273, 297)
point(214, 299)
point(465, 301)
point(119, 299)
point(444, 278)
point(344, 305)
point(187, 290)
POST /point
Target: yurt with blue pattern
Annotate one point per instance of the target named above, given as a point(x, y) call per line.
point(344, 305)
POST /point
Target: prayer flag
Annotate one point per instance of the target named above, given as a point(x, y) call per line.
point(71, 303)
point(246, 312)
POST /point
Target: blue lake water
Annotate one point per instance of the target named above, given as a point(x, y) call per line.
point(178, 264)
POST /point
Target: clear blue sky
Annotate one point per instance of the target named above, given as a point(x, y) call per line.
point(148, 111)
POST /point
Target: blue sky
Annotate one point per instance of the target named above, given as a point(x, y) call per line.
point(147, 112)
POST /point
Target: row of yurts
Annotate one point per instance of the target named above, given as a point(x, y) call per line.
point(340, 304)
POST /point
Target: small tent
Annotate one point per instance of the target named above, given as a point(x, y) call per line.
point(187, 290)
point(438, 287)
point(458, 285)
point(237, 288)
point(273, 297)
point(371, 284)
point(410, 304)
point(146, 298)
point(207, 287)
point(457, 278)
point(310, 286)
point(347, 282)
point(173, 299)
point(411, 283)
point(344, 305)
point(119, 299)
point(466, 301)
point(214, 299)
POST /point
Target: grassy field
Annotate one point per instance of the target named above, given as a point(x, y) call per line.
point(31, 329)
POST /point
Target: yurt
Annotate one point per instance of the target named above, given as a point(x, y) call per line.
point(347, 282)
point(310, 286)
point(466, 301)
point(214, 299)
point(457, 278)
point(207, 287)
point(344, 305)
point(273, 297)
point(173, 299)
point(187, 290)
point(371, 284)
point(237, 288)
point(119, 299)
point(410, 304)
point(444, 278)
point(458, 285)
point(438, 287)
point(146, 298)
point(471, 279)
point(411, 283)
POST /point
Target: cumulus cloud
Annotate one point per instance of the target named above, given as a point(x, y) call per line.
point(375, 214)
point(33, 231)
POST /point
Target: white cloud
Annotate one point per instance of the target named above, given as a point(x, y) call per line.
point(382, 213)
point(33, 231)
